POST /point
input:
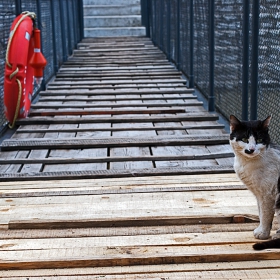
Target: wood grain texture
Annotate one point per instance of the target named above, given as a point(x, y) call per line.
point(112, 142)
point(113, 173)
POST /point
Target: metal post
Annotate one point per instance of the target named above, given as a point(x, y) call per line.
point(155, 27)
point(254, 61)
point(161, 25)
point(39, 14)
point(74, 15)
point(54, 37)
point(178, 35)
point(145, 11)
point(245, 70)
point(69, 37)
point(81, 19)
point(63, 36)
point(18, 7)
point(39, 21)
point(211, 99)
point(168, 29)
point(191, 76)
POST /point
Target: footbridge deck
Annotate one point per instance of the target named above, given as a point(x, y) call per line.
point(120, 173)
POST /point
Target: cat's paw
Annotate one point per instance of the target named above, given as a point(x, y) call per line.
point(261, 233)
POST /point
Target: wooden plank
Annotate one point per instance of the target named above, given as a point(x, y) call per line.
point(88, 174)
point(116, 86)
point(57, 92)
point(119, 82)
point(83, 143)
point(13, 154)
point(22, 129)
point(109, 97)
point(164, 182)
point(111, 76)
point(5, 193)
point(77, 165)
point(114, 69)
point(42, 105)
point(113, 63)
point(116, 58)
point(122, 186)
point(182, 117)
point(137, 157)
point(107, 72)
point(183, 239)
point(107, 45)
point(264, 269)
point(94, 130)
point(36, 113)
point(131, 209)
point(270, 273)
point(31, 166)
point(71, 97)
point(104, 256)
point(120, 52)
point(127, 54)
point(139, 184)
point(127, 231)
point(147, 48)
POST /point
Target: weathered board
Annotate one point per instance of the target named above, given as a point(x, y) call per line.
point(138, 228)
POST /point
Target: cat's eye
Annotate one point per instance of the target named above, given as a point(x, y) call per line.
point(245, 140)
point(259, 140)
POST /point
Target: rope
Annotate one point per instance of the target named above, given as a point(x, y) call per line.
point(25, 15)
point(18, 104)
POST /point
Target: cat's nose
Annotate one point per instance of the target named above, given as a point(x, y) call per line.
point(250, 151)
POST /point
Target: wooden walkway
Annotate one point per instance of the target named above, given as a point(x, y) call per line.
point(119, 173)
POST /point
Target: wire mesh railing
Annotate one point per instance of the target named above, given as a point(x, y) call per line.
point(61, 25)
point(230, 49)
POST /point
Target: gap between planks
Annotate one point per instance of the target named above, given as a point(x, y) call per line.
point(119, 119)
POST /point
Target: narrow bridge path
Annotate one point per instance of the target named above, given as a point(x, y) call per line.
point(120, 173)
point(116, 108)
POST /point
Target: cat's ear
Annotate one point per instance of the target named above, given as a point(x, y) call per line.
point(233, 122)
point(266, 122)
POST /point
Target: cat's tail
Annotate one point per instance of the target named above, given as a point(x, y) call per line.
point(274, 243)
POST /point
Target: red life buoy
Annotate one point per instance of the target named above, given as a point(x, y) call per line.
point(19, 72)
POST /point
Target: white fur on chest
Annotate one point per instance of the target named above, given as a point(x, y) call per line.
point(259, 174)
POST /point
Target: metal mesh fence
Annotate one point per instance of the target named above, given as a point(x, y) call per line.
point(269, 65)
point(228, 56)
point(7, 12)
point(229, 38)
point(60, 25)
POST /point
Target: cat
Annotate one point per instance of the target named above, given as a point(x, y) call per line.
point(257, 164)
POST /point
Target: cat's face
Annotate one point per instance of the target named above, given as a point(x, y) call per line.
point(249, 138)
